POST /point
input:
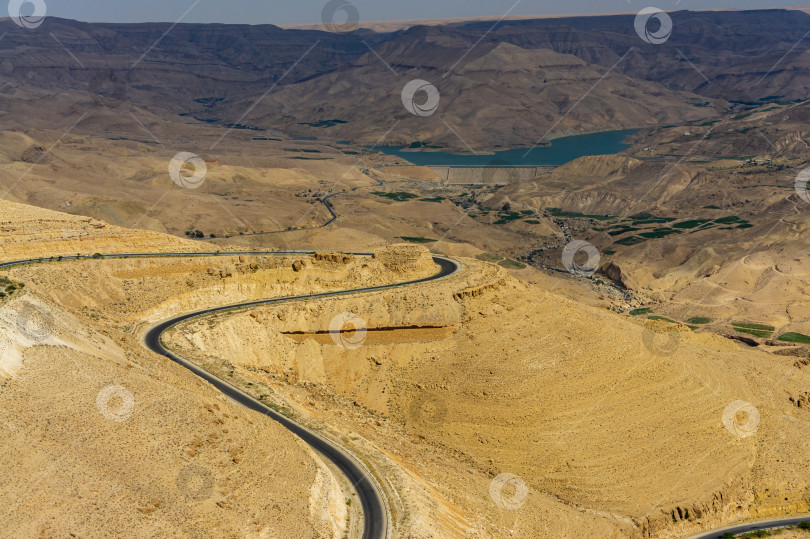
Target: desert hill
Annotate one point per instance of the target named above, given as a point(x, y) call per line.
point(554, 398)
point(441, 398)
point(100, 436)
point(213, 74)
point(732, 50)
point(480, 100)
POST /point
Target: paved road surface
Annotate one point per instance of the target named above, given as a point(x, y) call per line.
point(751, 527)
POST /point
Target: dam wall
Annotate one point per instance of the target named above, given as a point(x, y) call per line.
point(487, 175)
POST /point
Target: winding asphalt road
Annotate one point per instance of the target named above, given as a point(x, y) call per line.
point(375, 507)
point(751, 527)
point(323, 200)
point(372, 497)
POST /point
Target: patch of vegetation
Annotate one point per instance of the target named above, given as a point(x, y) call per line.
point(620, 231)
point(434, 199)
point(399, 196)
point(243, 126)
point(532, 221)
point(415, 239)
point(507, 216)
point(744, 225)
point(727, 220)
point(208, 100)
point(791, 336)
point(489, 257)
point(303, 150)
point(630, 240)
point(755, 332)
point(640, 310)
point(748, 325)
point(712, 207)
point(652, 220)
point(508, 263)
point(324, 123)
point(417, 145)
point(699, 320)
point(605, 251)
point(557, 212)
point(664, 318)
point(267, 138)
point(659, 233)
point(692, 223)
point(195, 233)
point(8, 287)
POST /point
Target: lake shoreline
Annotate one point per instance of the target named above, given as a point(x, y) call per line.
point(557, 152)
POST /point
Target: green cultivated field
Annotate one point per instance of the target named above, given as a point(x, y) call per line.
point(699, 320)
point(757, 330)
point(415, 239)
point(795, 337)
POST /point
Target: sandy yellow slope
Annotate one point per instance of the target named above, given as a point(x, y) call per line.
point(102, 438)
point(615, 428)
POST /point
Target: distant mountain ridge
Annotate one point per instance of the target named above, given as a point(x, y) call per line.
point(347, 87)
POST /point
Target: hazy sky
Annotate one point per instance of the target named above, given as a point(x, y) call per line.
point(309, 11)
